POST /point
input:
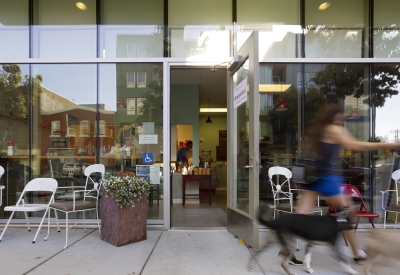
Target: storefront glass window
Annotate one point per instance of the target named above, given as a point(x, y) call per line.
point(386, 29)
point(278, 23)
point(64, 29)
point(14, 131)
point(347, 86)
point(336, 29)
point(200, 28)
point(386, 99)
point(133, 117)
point(131, 29)
point(64, 115)
point(14, 29)
point(279, 127)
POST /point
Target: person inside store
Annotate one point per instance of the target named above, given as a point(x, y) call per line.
point(323, 142)
point(181, 156)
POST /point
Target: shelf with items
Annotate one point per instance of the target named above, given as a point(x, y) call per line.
point(62, 152)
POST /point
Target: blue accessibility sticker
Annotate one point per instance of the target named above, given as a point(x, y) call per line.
point(147, 158)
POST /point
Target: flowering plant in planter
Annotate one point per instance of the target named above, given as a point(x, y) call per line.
point(125, 188)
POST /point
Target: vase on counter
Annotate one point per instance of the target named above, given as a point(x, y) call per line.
point(184, 170)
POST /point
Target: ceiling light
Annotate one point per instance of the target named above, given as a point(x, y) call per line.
point(81, 6)
point(324, 6)
point(273, 88)
point(213, 110)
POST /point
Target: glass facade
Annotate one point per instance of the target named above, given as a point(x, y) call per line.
point(200, 28)
point(278, 23)
point(337, 29)
point(81, 107)
point(131, 29)
point(64, 115)
point(367, 104)
point(131, 107)
point(14, 128)
point(14, 29)
point(386, 39)
point(63, 29)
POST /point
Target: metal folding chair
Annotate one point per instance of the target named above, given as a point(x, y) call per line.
point(89, 202)
point(390, 200)
point(35, 185)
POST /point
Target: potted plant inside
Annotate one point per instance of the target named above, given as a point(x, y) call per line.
point(124, 209)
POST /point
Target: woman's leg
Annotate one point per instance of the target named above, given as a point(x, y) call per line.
point(341, 202)
point(303, 206)
point(352, 238)
point(306, 202)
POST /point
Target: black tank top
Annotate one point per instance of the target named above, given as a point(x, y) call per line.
point(327, 163)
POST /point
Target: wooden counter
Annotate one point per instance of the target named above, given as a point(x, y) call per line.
point(195, 178)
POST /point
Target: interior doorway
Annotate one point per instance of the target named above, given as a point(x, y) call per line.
point(198, 114)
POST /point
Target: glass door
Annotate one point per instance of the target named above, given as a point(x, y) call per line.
point(243, 138)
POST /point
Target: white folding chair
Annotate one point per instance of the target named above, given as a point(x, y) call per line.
point(1, 186)
point(35, 185)
point(85, 204)
point(393, 206)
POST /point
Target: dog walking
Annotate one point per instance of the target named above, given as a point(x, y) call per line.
point(313, 229)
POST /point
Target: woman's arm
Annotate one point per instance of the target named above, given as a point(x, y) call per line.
point(342, 136)
point(186, 158)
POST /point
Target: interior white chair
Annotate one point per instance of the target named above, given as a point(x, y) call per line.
point(35, 185)
point(1, 186)
point(390, 200)
point(89, 201)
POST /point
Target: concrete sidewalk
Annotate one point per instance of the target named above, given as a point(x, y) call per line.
point(164, 252)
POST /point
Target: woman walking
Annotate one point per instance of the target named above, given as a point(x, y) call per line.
point(323, 142)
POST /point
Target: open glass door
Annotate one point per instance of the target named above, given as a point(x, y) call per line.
point(243, 147)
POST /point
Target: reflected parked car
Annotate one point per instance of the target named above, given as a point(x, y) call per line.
point(75, 168)
point(356, 176)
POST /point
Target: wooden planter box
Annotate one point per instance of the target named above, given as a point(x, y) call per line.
point(121, 226)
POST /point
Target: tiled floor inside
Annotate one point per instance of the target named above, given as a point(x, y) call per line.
point(198, 213)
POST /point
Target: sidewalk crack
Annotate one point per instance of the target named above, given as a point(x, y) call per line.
point(140, 273)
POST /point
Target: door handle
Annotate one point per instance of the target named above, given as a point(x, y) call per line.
point(248, 166)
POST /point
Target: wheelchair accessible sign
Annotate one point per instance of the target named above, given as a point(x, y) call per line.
point(147, 158)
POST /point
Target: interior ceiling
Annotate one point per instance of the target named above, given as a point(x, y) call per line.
point(212, 84)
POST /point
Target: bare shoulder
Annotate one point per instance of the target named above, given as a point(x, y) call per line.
point(332, 133)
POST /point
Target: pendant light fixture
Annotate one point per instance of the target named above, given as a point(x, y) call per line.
point(281, 106)
point(208, 119)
